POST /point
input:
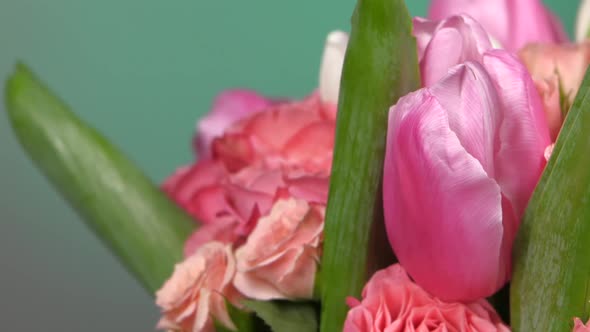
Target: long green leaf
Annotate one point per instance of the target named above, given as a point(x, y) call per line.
point(381, 65)
point(112, 195)
point(552, 250)
point(283, 316)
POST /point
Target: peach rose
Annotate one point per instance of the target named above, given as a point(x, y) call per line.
point(197, 291)
point(279, 259)
point(580, 327)
point(555, 66)
point(549, 90)
point(392, 302)
point(291, 135)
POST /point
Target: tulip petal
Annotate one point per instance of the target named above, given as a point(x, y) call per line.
point(523, 133)
point(512, 23)
point(443, 211)
point(459, 38)
point(469, 92)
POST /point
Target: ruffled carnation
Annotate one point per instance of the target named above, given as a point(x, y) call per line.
point(392, 302)
point(279, 260)
point(197, 291)
point(296, 136)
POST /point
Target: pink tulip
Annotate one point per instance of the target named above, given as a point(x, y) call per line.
point(462, 159)
point(513, 23)
point(458, 38)
point(229, 107)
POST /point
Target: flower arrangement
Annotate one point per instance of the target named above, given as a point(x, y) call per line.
point(435, 181)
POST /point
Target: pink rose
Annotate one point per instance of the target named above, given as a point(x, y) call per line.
point(513, 23)
point(392, 302)
point(462, 160)
point(548, 89)
point(294, 136)
point(230, 204)
point(229, 107)
point(554, 67)
point(279, 260)
point(579, 326)
point(197, 291)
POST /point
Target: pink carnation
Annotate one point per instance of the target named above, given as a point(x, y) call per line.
point(229, 107)
point(280, 258)
point(230, 204)
point(285, 151)
point(392, 302)
point(197, 291)
point(294, 136)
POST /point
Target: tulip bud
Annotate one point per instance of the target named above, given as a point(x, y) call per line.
point(462, 160)
point(331, 67)
point(583, 21)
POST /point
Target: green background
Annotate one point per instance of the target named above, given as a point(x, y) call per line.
point(142, 72)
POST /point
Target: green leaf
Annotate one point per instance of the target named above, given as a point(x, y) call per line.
point(283, 316)
point(244, 321)
point(552, 250)
point(123, 207)
point(381, 65)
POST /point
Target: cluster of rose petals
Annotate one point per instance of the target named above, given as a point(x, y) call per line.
point(229, 107)
point(259, 188)
point(392, 302)
point(512, 23)
point(229, 204)
point(294, 136)
point(198, 290)
point(462, 160)
point(556, 68)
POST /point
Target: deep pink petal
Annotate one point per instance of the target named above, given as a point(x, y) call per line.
point(443, 212)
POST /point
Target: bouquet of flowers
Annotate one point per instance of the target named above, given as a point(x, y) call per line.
point(436, 180)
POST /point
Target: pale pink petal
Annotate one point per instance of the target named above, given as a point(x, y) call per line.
point(280, 257)
point(221, 231)
point(512, 23)
point(443, 211)
point(549, 91)
point(549, 151)
point(459, 38)
point(523, 133)
point(228, 108)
